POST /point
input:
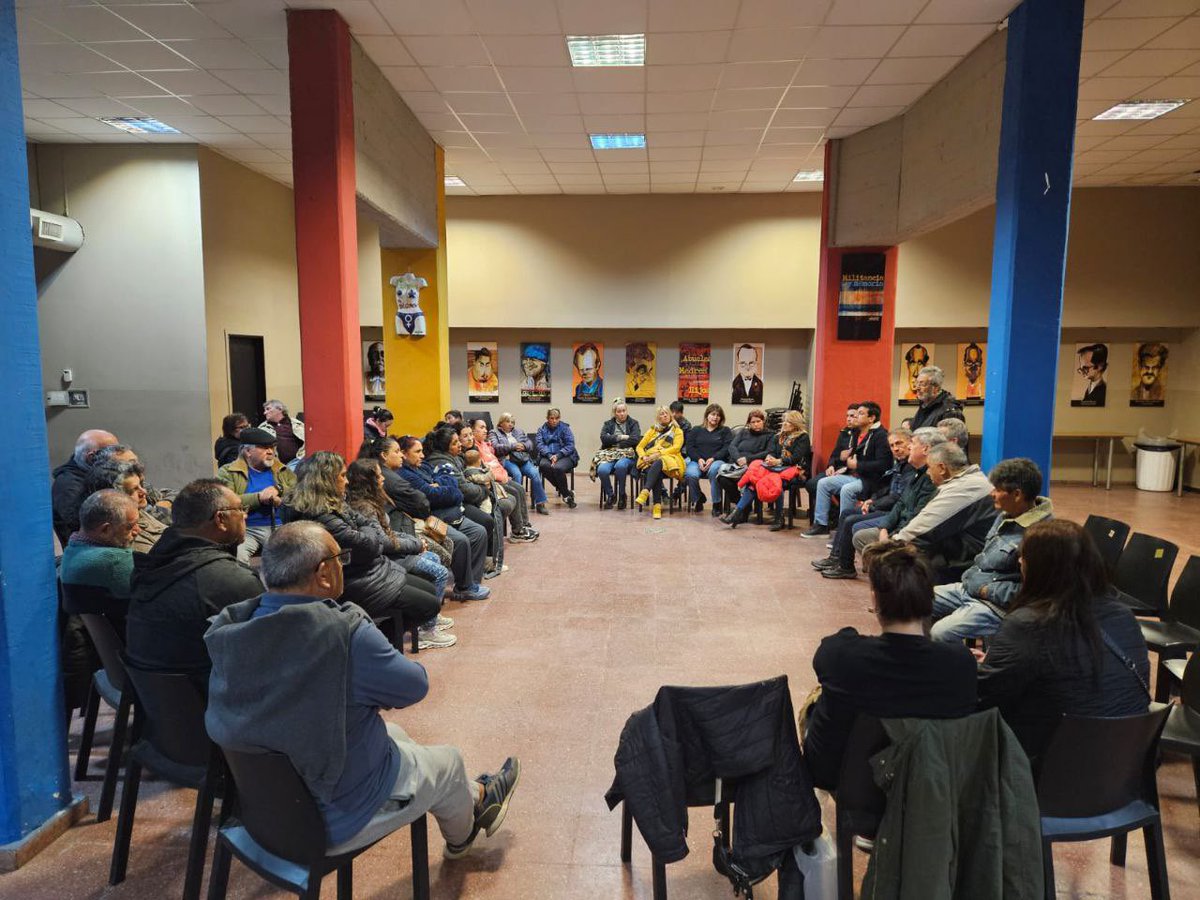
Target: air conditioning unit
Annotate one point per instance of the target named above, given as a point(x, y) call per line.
point(55, 232)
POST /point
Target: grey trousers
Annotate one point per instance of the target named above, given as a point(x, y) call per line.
point(864, 537)
point(255, 540)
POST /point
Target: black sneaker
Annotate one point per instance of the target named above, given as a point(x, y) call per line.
point(541, 510)
point(699, 507)
point(716, 511)
point(815, 531)
point(621, 503)
point(606, 503)
point(825, 562)
point(570, 501)
point(489, 814)
point(838, 572)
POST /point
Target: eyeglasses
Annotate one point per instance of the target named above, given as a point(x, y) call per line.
point(222, 509)
point(343, 558)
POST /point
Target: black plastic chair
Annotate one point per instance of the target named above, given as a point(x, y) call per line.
point(394, 629)
point(1085, 795)
point(280, 835)
point(658, 875)
point(169, 739)
point(74, 600)
point(1143, 573)
point(1109, 536)
point(860, 802)
point(1180, 633)
point(111, 648)
point(1182, 734)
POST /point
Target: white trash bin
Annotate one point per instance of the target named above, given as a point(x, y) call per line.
point(1156, 467)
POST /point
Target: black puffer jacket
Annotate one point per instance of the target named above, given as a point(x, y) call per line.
point(406, 497)
point(473, 493)
point(745, 734)
point(66, 496)
point(372, 580)
point(750, 444)
point(943, 406)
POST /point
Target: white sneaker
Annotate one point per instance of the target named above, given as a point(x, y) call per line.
point(443, 623)
point(432, 639)
point(867, 845)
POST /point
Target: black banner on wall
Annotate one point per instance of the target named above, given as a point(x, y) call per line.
point(860, 297)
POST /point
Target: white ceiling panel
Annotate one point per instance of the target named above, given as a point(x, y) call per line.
point(1123, 34)
point(856, 42)
point(1152, 62)
point(609, 17)
point(172, 22)
point(912, 70)
point(686, 48)
point(941, 40)
point(527, 50)
point(768, 44)
point(938, 12)
point(680, 101)
point(537, 79)
point(874, 12)
point(612, 104)
point(691, 15)
point(478, 103)
point(684, 78)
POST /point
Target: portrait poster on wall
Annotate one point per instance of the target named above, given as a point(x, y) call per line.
point(972, 370)
point(748, 373)
point(860, 297)
point(913, 358)
point(587, 372)
point(1149, 381)
point(1089, 384)
point(694, 360)
point(374, 383)
point(483, 382)
point(535, 372)
point(641, 375)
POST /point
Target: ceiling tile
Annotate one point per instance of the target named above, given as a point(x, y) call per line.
point(680, 101)
point(227, 105)
point(38, 109)
point(538, 79)
point(888, 94)
point(614, 124)
point(274, 52)
point(166, 108)
point(173, 22)
point(141, 54)
point(808, 96)
point(506, 17)
point(503, 124)
point(1153, 62)
point(361, 15)
point(835, 71)
point(567, 155)
point(1122, 34)
point(1101, 88)
point(770, 44)
point(1093, 62)
point(1126, 9)
point(453, 139)
point(249, 20)
point(441, 121)
point(965, 11)
point(187, 83)
point(750, 98)
point(1104, 156)
point(448, 50)
point(748, 137)
point(610, 17)
point(777, 135)
point(546, 104)
point(407, 78)
point(667, 139)
point(253, 81)
point(83, 23)
point(612, 104)
point(683, 78)
point(527, 50)
point(881, 12)
point(220, 54)
point(659, 153)
point(1134, 141)
point(674, 166)
point(464, 78)
point(553, 124)
point(526, 168)
point(687, 48)
point(1166, 125)
point(622, 167)
point(757, 75)
point(1181, 142)
point(711, 166)
point(740, 118)
point(490, 141)
point(96, 107)
point(63, 59)
point(615, 156)
point(864, 117)
point(424, 101)
point(1184, 36)
point(419, 17)
point(386, 50)
point(691, 15)
point(575, 168)
point(1178, 88)
point(493, 104)
point(813, 118)
point(912, 70)
point(776, 13)
point(615, 80)
point(677, 121)
point(935, 40)
point(548, 142)
point(659, 178)
point(856, 42)
point(1160, 155)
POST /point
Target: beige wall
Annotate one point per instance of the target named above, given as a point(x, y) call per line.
point(249, 278)
point(661, 261)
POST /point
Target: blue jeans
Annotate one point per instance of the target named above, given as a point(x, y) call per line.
point(530, 471)
point(692, 476)
point(427, 565)
point(960, 616)
point(618, 469)
point(847, 488)
point(746, 500)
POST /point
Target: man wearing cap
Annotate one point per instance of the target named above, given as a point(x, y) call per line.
point(260, 479)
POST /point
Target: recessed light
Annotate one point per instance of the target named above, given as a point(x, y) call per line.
point(139, 125)
point(810, 175)
point(454, 181)
point(1139, 109)
point(618, 141)
point(607, 49)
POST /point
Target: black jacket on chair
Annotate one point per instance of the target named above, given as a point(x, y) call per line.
point(672, 752)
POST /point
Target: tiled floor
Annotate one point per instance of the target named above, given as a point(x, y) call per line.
point(588, 623)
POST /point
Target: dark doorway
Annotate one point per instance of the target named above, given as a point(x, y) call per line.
point(247, 375)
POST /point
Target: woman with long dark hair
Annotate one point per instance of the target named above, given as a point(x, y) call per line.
point(226, 448)
point(373, 580)
point(443, 454)
point(1067, 645)
point(789, 449)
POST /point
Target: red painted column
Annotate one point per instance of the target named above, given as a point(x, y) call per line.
point(326, 230)
point(847, 371)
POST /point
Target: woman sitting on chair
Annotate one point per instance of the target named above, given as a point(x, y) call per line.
point(619, 438)
point(790, 453)
point(659, 456)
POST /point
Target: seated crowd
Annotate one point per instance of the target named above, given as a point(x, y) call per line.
point(352, 554)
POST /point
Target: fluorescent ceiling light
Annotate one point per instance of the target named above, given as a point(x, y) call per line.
point(1139, 109)
point(618, 141)
point(454, 181)
point(607, 49)
point(810, 175)
point(139, 125)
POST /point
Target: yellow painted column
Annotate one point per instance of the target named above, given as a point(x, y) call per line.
point(418, 368)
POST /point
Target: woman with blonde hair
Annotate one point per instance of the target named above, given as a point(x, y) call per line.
point(790, 454)
point(659, 456)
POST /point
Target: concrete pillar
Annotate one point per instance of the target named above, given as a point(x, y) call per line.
point(326, 229)
point(35, 787)
point(1033, 204)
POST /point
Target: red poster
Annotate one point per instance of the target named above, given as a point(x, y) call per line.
point(694, 362)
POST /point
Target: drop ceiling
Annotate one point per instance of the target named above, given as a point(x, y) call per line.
point(736, 96)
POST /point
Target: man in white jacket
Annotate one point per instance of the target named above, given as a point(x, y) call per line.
point(959, 485)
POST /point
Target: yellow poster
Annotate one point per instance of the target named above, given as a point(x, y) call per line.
point(913, 358)
point(972, 370)
point(641, 375)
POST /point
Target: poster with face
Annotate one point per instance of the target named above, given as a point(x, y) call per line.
point(535, 373)
point(913, 358)
point(587, 372)
point(373, 372)
point(971, 368)
point(1089, 385)
point(641, 377)
point(1149, 381)
point(483, 384)
point(694, 360)
point(748, 373)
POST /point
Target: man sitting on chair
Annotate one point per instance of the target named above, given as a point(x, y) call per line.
point(321, 707)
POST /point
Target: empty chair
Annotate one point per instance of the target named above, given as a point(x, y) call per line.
point(1180, 633)
point(1143, 572)
point(111, 649)
point(74, 600)
point(281, 834)
point(1182, 734)
point(1110, 536)
point(169, 739)
point(1085, 795)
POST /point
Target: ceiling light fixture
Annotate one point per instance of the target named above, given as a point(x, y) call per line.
point(810, 175)
point(607, 49)
point(618, 141)
point(139, 125)
point(1139, 109)
point(454, 181)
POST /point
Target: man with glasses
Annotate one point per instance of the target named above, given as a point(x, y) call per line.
point(260, 479)
point(264, 694)
point(191, 574)
point(1092, 363)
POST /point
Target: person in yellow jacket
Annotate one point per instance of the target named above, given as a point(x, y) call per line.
point(660, 455)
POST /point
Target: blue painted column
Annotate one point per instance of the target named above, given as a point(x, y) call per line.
point(34, 782)
point(1033, 205)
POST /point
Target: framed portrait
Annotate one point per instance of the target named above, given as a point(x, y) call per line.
point(748, 373)
point(483, 366)
point(913, 358)
point(972, 372)
point(1148, 383)
point(694, 363)
point(1089, 382)
point(641, 375)
point(374, 374)
point(587, 372)
point(535, 372)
